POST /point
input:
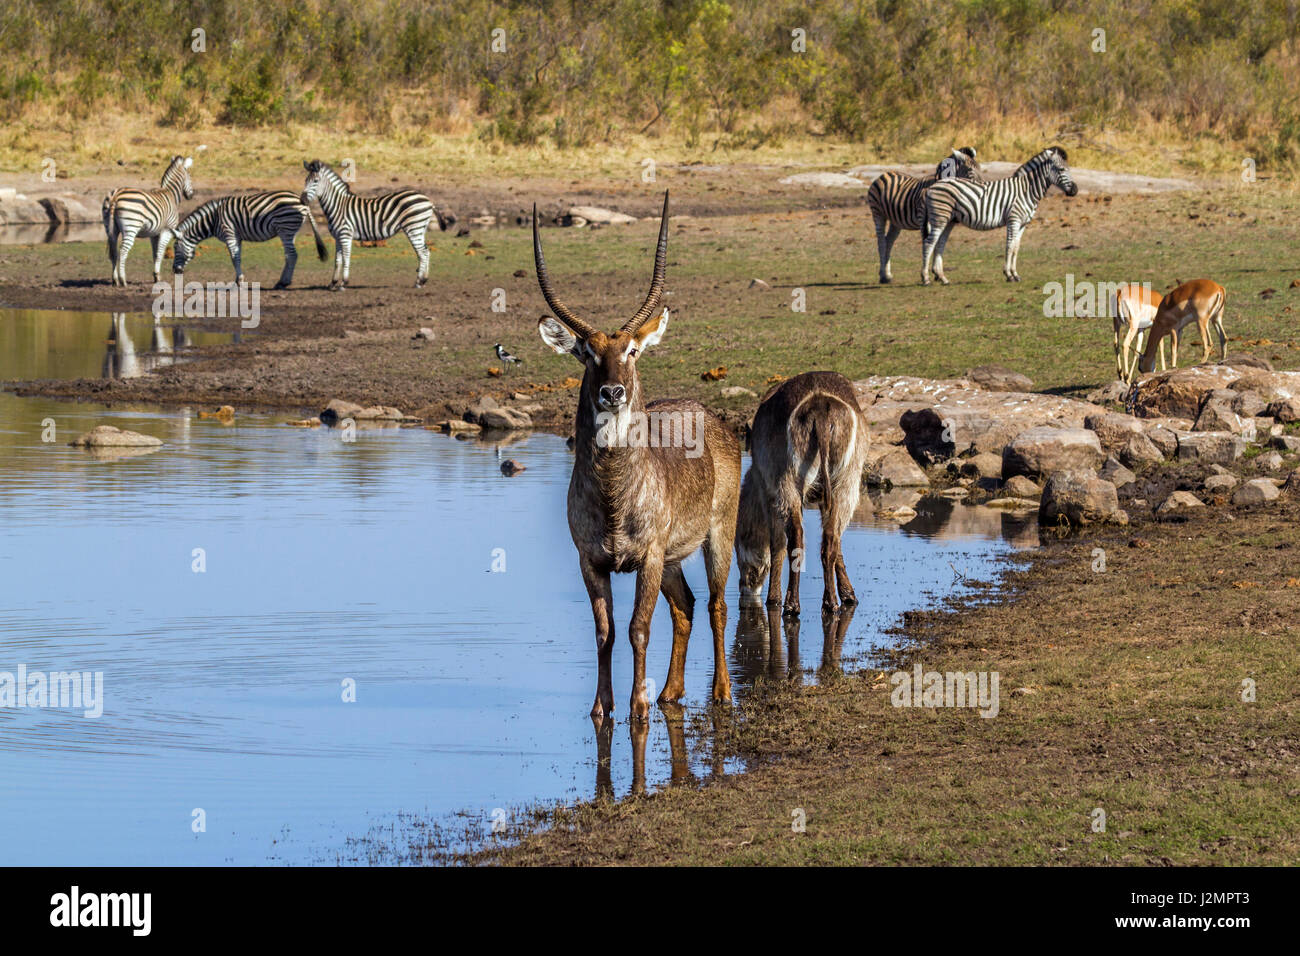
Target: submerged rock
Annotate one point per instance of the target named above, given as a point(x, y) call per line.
point(108, 436)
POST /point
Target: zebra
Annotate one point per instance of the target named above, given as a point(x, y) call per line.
point(1009, 202)
point(368, 218)
point(897, 201)
point(131, 212)
point(253, 217)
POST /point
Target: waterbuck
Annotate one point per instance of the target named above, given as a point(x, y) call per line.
point(809, 444)
point(652, 484)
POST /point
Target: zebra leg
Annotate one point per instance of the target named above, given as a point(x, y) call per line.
point(128, 240)
point(340, 244)
point(887, 255)
point(941, 245)
point(160, 249)
point(153, 248)
point(931, 239)
point(347, 262)
point(290, 259)
point(236, 257)
point(422, 251)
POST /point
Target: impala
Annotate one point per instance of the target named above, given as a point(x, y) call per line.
point(1133, 307)
point(809, 443)
point(641, 505)
point(1199, 299)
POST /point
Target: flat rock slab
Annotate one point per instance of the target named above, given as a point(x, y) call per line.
point(107, 436)
point(1220, 448)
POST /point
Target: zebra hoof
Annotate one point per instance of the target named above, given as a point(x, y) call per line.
point(885, 280)
point(282, 285)
point(943, 280)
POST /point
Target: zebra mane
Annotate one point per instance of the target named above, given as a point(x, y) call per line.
point(204, 216)
point(175, 171)
point(1036, 162)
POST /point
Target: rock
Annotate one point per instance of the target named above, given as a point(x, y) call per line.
point(457, 426)
point(1165, 439)
point(337, 410)
point(1285, 410)
point(1179, 501)
point(1257, 491)
point(1079, 498)
point(384, 413)
point(1252, 361)
point(1223, 482)
point(738, 391)
point(983, 465)
point(1115, 473)
point(1219, 447)
point(1043, 450)
point(897, 469)
point(1285, 442)
point(995, 378)
point(107, 436)
point(1113, 429)
point(1248, 403)
point(510, 468)
point(479, 407)
point(1013, 504)
point(505, 418)
point(1269, 461)
point(1018, 486)
point(424, 333)
point(1141, 450)
point(1115, 391)
point(603, 217)
point(758, 284)
point(1217, 415)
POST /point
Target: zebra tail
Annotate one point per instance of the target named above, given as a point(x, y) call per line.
point(321, 252)
point(109, 212)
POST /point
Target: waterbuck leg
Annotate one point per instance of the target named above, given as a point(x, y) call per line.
point(717, 562)
point(794, 538)
point(681, 605)
point(648, 580)
point(776, 554)
point(639, 731)
point(602, 609)
point(604, 747)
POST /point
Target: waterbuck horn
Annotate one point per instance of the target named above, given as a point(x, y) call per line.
point(657, 283)
point(562, 311)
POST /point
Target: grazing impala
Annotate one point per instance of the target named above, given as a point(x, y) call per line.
point(1133, 308)
point(809, 441)
point(651, 485)
point(1199, 299)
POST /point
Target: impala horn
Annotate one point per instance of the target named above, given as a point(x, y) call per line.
point(562, 311)
point(657, 283)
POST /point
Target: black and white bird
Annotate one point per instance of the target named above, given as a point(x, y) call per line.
point(506, 358)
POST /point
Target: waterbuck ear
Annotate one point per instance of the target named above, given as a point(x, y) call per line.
point(650, 333)
point(558, 337)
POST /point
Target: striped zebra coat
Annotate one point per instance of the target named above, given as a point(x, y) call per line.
point(1010, 203)
point(897, 201)
point(154, 213)
point(253, 217)
point(354, 217)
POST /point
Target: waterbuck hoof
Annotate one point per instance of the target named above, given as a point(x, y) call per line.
point(790, 609)
point(830, 604)
point(849, 600)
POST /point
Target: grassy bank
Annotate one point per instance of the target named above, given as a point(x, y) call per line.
point(313, 345)
point(1120, 691)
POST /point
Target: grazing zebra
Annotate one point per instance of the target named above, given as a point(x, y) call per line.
point(897, 201)
point(255, 217)
point(154, 213)
point(355, 217)
point(1009, 202)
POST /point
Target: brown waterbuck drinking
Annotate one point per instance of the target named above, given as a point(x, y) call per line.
point(652, 484)
point(809, 444)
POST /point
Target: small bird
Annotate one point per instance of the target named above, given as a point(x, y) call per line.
point(506, 358)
